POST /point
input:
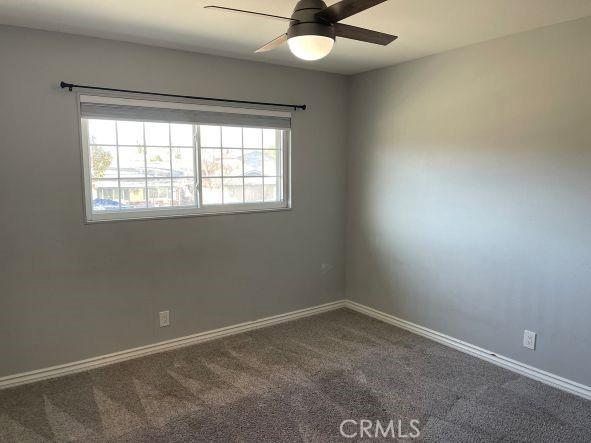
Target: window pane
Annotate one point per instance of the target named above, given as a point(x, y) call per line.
point(157, 134)
point(132, 161)
point(212, 191)
point(270, 138)
point(253, 190)
point(272, 189)
point(159, 193)
point(135, 165)
point(181, 135)
point(233, 190)
point(130, 133)
point(232, 161)
point(210, 136)
point(105, 195)
point(158, 162)
point(133, 194)
point(231, 137)
point(101, 132)
point(183, 164)
point(253, 138)
point(270, 159)
point(253, 162)
point(103, 161)
point(183, 192)
point(211, 162)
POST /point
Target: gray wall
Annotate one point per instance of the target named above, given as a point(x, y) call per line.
point(69, 291)
point(470, 194)
point(469, 202)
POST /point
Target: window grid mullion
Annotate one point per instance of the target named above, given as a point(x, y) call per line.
point(279, 164)
point(263, 156)
point(243, 181)
point(118, 164)
point(146, 165)
point(170, 157)
point(222, 161)
point(282, 192)
point(232, 176)
point(197, 160)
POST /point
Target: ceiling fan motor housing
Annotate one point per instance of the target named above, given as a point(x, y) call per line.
point(305, 22)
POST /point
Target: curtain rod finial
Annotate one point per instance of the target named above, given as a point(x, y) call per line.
point(66, 85)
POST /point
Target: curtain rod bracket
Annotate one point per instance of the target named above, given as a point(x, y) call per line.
point(71, 86)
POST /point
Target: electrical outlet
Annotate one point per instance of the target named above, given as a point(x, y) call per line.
point(529, 339)
point(164, 318)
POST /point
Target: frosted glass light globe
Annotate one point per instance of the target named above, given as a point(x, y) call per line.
point(310, 47)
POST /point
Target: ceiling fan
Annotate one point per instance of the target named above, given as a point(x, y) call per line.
point(313, 27)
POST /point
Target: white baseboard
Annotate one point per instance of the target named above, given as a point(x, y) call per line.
point(505, 362)
point(103, 360)
point(95, 362)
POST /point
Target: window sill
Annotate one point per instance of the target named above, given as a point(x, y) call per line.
point(106, 217)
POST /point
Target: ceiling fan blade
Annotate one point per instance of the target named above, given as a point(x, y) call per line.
point(241, 11)
point(273, 43)
point(364, 35)
point(345, 8)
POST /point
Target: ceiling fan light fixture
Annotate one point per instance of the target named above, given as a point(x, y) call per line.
point(310, 47)
point(314, 27)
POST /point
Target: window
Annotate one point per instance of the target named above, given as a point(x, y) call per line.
point(146, 159)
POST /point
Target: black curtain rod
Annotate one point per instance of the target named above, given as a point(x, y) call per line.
point(71, 86)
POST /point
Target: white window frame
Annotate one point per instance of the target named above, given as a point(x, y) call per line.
point(189, 211)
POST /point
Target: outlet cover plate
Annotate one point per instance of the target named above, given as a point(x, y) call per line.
point(164, 318)
point(529, 339)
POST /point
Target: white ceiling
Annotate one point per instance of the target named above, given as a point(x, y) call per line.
point(424, 26)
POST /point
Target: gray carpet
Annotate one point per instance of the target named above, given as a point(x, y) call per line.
point(296, 382)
